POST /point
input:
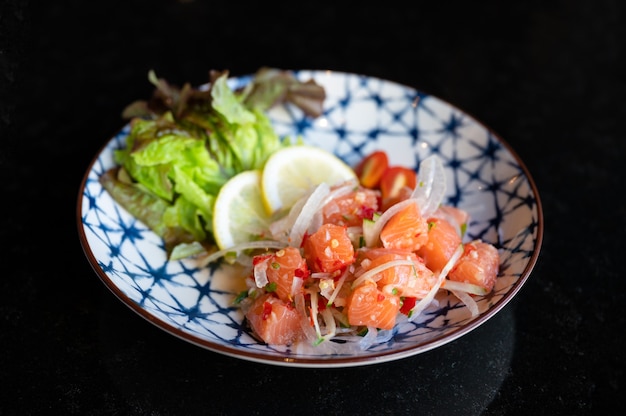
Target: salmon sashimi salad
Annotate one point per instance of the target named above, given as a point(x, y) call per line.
point(347, 261)
point(350, 261)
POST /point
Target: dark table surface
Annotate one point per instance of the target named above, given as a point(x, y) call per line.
point(547, 76)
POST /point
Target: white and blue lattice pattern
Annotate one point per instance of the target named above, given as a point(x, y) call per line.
point(484, 177)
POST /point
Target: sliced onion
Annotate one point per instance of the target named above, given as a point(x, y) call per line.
point(296, 285)
point(306, 214)
point(314, 317)
point(316, 222)
point(384, 335)
point(260, 273)
point(431, 186)
point(330, 327)
point(423, 303)
point(310, 207)
point(327, 287)
point(321, 275)
point(238, 248)
point(373, 274)
point(369, 339)
point(338, 286)
point(342, 319)
point(305, 323)
point(318, 217)
point(455, 286)
point(281, 228)
point(468, 300)
point(341, 190)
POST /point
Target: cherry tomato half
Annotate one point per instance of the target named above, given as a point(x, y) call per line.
point(395, 179)
point(370, 170)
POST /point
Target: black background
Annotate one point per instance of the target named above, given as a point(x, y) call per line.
point(547, 76)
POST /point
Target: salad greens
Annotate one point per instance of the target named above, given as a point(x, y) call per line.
point(185, 143)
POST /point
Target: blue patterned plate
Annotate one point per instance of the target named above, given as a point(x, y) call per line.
point(485, 177)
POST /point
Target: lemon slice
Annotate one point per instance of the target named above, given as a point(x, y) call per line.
point(292, 171)
point(239, 215)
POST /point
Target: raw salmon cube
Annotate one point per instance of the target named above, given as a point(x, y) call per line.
point(274, 321)
point(414, 280)
point(350, 209)
point(329, 249)
point(283, 267)
point(406, 230)
point(369, 306)
point(443, 240)
point(478, 265)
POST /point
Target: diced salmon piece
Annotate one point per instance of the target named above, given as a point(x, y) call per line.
point(406, 230)
point(369, 306)
point(274, 321)
point(478, 265)
point(329, 249)
point(453, 214)
point(283, 267)
point(402, 194)
point(443, 240)
point(414, 280)
point(350, 209)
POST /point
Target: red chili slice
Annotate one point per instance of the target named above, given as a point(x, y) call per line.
point(267, 310)
point(407, 304)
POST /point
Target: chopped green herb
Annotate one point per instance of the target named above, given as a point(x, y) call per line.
point(240, 297)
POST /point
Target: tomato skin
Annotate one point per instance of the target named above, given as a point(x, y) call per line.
point(394, 179)
point(371, 169)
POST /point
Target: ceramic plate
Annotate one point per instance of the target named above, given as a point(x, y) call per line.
point(485, 177)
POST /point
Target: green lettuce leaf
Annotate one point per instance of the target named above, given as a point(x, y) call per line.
point(185, 143)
